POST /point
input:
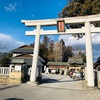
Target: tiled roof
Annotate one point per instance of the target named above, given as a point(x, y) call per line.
point(26, 53)
point(23, 49)
point(57, 63)
point(30, 56)
point(27, 58)
point(41, 59)
point(24, 56)
point(75, 59)
point(28, 61)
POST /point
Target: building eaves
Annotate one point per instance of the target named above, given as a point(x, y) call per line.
point(57, 63)
point(17, 61)
point(20, 50)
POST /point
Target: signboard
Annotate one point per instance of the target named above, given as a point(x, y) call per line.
point(18, 68)
point(61, 26)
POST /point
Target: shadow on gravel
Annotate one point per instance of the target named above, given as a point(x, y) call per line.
point(8, 88)
point(13, 99)
point(48, 80)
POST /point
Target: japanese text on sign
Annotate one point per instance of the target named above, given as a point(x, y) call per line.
point(61, 26)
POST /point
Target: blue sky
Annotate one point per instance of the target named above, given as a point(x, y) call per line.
point(13, 11)
point(12, 31)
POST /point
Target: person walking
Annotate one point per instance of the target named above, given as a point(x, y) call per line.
point(82, 74)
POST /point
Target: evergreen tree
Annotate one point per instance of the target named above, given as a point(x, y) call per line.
point(80, 53)
point(63, 50)
point(68, 53)
point(80, 8)
point(32, 45)
point(43, 51)
point(45, 41)
point(50, 51)
point(5, 61)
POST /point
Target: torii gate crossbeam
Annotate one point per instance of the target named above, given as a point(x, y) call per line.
point(88, 29)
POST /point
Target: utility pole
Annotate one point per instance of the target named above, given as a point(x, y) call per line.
point(2, 51)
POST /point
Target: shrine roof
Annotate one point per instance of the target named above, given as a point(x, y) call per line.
point(57, 63)
point(23, 49)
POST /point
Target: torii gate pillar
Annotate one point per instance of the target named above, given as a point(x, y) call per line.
point(88, 29)
point(35, 55)
point(89, 57)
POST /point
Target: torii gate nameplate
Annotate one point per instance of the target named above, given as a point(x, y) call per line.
point(61, 26)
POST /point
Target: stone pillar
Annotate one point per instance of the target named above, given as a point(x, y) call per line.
point(35, 55)
point(90, 73)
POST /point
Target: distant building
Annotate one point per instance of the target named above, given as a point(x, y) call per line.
point(22, 56)
point(57, 66)
point(75, 62)
point(60, 65)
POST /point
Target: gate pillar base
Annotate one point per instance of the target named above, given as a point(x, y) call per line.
point(33, 83)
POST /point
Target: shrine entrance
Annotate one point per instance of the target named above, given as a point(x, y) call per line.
point(87, 30)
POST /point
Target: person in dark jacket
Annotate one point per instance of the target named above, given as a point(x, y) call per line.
point(82, 74)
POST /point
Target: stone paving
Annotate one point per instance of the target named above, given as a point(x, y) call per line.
point(55, 87)
point(62, 81)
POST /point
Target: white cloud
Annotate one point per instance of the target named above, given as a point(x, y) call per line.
point(96, 38)
point(51, 37)
point(96, 54)
point(14, 6)
point(70, 40)
point(11, 7)
point(9, 42)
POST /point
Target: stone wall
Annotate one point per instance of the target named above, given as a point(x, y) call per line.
point(16, 77)
point(4, 79)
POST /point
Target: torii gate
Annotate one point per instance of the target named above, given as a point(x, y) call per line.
point(87, 29)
